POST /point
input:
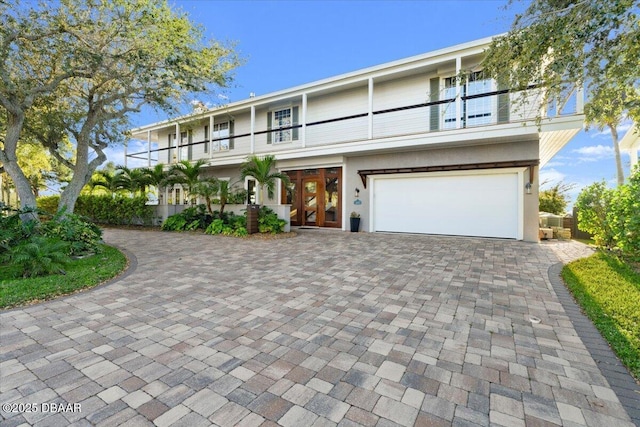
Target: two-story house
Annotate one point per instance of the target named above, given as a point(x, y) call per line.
point(405, 144)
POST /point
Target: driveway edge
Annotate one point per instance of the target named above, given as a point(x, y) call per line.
point(619, 378)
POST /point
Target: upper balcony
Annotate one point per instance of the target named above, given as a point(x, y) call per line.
point(407, 104)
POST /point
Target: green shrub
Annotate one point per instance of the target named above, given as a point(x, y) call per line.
point(215, 227)
point(48, 204)
point(14, 230)
point(625, 216)
point(593, 205)
point(268, 221)
point(612, 216)
point(38, 256)
point(83, 237)
point(105, 209)
point(190, 219)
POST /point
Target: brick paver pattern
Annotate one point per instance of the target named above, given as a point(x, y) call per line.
point(324, 329)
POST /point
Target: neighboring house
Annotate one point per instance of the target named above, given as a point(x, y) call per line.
point(631, 144)
point(404, 144)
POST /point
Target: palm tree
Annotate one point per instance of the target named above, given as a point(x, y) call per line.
point(134, 180)
point(208, 189)
point(156, 177)
point(108, 180)
point(260, 170)
point(186, 174)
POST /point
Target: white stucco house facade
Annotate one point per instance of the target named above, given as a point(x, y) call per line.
point(404, 144)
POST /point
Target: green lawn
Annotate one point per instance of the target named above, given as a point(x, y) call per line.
point(608, 291)
point(80, 274)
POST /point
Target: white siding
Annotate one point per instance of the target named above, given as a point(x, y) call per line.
point(335, 105)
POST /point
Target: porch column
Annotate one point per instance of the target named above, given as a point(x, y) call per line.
point(253, 129)
point(580, 100)
point(210, 137)
point(303, 131)
point(370, 112)
point(458, 100)
point(178, 142)
point(148, 148)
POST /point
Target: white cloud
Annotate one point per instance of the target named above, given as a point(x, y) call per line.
point(551, 176)
point(594, 153)
point(554, 164)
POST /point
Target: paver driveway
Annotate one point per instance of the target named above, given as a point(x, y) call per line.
point(326, 328)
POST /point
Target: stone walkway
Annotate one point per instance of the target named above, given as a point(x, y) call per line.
point(324, 329)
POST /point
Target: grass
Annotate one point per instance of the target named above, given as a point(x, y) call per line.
point(608, 290)
point(80, 274)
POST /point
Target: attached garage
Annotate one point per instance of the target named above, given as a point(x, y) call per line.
point(485, 203)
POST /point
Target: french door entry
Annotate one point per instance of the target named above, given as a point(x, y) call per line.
point(315, 197)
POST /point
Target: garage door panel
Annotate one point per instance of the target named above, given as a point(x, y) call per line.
point(469, 205)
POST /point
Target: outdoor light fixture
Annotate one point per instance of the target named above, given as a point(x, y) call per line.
point(527, 187)
point(357, 192)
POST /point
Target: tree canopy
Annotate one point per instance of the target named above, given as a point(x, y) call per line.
point(79, 68)
point(565, 44)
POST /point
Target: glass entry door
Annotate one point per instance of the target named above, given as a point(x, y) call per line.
point(315, 197)
point(311, 191)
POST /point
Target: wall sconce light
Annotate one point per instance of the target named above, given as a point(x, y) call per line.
point(527, 187)
point(357, 193)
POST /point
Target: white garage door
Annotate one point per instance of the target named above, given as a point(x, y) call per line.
point(463, 205)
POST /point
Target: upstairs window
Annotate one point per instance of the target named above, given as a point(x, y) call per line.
point(284, 118)
point(222, 136)
point(477, 111)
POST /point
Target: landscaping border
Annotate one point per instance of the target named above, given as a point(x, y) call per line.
point(618, 376)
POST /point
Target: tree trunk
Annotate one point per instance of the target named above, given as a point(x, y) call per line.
point(82, 172)
point(9, 159)
point(616, 149)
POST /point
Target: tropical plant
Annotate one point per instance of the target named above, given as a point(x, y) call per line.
point(268, 221)
point(208, 189)
point(82, 236)
point(107, 180)
point(187, 175)
point(260, 169)
point(133, 180)
point(38, 256)
point(192, 218)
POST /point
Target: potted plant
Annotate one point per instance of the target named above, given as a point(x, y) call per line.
point(355, 222)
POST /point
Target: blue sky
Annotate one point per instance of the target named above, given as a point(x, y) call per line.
point(287, 43)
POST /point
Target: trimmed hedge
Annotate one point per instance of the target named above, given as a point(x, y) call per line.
point(105, 209)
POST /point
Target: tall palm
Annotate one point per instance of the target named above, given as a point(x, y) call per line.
point(260, 169)
point(108, 180)
point(186, 174)
point(133, 180)
point(156, 177)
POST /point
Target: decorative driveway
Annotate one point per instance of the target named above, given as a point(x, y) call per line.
point(327, 328)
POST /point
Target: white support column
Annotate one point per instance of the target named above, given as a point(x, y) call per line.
point(370, 112)
point(580, 100)
point(148, 148)
point(178, 142)
point(210, 137)
point(253, 129)
point(125, 154)
point(303, 131)
point(458, 94)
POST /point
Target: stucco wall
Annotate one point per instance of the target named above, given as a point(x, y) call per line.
point(527, 150)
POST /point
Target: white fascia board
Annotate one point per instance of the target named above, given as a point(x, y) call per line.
point(631, 139)
point(425, 59)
